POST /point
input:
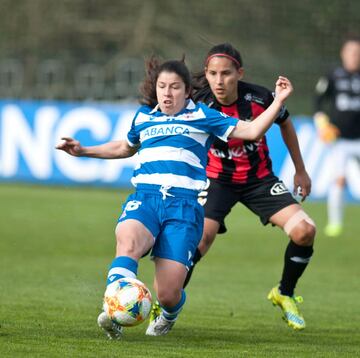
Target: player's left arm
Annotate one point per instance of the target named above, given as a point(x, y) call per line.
point(302, 181)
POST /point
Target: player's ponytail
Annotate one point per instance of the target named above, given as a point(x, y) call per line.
point(148, 86)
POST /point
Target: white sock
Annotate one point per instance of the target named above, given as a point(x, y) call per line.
point(335, 205)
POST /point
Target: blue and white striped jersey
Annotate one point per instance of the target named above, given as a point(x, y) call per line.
point(173, 149)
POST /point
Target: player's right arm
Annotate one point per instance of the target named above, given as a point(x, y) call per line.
point(255, 129)
point(110, 150)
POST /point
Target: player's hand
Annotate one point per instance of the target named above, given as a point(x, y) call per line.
point(70, 146)
point(202, 196)
point(302, 184)
point(327, 131)
point(283, 88)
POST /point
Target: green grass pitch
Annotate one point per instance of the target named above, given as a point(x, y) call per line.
point(55, 247)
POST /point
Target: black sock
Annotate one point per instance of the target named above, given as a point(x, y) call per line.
point(195, 260)
point(296, 259)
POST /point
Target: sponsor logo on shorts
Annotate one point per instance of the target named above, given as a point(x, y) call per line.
point(278, 189)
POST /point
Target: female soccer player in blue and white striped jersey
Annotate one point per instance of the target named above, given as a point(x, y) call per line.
point(171, 135)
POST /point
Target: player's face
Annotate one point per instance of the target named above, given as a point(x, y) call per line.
point(170, 92)
point(223, 78)
point(350, 56)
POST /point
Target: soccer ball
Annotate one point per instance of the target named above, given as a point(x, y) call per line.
point(127, 302)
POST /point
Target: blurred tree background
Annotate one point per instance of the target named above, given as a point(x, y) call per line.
point(94, 49)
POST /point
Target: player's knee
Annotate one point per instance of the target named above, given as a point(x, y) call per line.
point(128, 247)
point(168, 297)
point(301, 229)
point(303, 234)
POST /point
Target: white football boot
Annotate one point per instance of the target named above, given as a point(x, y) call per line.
point(112, 329)
point(159, 326)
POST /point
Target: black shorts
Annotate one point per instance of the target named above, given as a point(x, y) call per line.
point(264, 198)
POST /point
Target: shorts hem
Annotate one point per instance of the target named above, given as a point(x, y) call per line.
point(267, 219)
point(163, 256)
point(222, 228)
point(142, 222)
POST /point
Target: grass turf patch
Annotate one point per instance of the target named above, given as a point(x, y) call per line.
point(56, 244)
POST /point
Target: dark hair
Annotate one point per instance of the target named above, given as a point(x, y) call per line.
point(153, 68)
point(199, 80)
point(227, 49)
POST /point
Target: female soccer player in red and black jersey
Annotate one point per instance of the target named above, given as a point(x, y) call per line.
point(241, 171)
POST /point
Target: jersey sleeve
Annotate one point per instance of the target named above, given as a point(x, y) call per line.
point(133, 136)
point(283, 114)
point(218, 123)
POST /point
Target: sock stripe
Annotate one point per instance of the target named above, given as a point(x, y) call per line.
point(125, 261)
point(300, 260)
point(295, 262)
point(171, 313)
point(122, 266)
point(121, 271)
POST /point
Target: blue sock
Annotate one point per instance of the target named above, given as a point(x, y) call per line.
point(171, 313)
point(122, 266)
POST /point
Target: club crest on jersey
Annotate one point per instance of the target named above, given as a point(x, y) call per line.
point(188, 115)
point(248, 97)
point(251, 98)
point(278, 189)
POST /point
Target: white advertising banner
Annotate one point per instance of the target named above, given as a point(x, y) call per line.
point(29, 131)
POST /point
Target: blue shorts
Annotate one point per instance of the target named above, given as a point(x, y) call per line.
point(175, 219)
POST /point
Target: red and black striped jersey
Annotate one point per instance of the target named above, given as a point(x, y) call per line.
point(239, 161)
